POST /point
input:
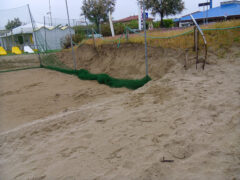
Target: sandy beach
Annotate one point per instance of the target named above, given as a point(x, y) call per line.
point(55, 126)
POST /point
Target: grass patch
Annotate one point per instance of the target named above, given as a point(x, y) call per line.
point(215, 38)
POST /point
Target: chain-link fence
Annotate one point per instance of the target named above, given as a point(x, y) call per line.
point(30, 41)
point(17, 37)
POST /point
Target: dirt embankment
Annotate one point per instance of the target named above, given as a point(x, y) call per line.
point(127, 61)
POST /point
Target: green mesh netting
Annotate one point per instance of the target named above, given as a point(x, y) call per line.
point(50, 61)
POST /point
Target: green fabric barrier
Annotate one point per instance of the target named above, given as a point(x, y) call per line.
point(104, 78)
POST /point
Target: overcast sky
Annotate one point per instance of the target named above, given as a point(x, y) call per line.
point(123, 8)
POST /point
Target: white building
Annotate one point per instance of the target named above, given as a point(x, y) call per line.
point(47, 38)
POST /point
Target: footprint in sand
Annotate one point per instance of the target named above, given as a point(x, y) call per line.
point(67, 152)
point(87, 136)
point(176, 123)
point(178, 149)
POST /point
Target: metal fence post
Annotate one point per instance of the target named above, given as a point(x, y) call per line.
point(45, 34)
point(13, 43)
point(73, 54)
point(94, 43)
point(194, 36)
point(145, 38)
point(34, 34)
point(196, 44)
point(7, 42)
point(23, 39)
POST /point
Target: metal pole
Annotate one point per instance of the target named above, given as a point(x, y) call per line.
point(3, 43)
point(13, 44)
point(45, 34)
point(111, 24)
point(204, 19)
point(73, 54)
point(94, 43)
point(139, 17)
point(50, 13)
point(145, 38)
point(34, 34)
point(196, 45)
point(86, 24)
point(194, 36)
point(7, 42)
point(207, 13)
point(23, 39)
point(127, 32)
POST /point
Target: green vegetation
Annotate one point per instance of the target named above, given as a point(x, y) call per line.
point(167, 23)
point(119, 28)
point(13, 24)
point(97, 11)
point(164, 7)
point(217, 35)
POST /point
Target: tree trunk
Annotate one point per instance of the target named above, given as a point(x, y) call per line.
point(161, 25)
point(99, 28)
point(97, 25)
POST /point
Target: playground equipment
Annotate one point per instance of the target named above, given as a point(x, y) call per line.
point(16, 50)
point(2, 51)
point(197, 29)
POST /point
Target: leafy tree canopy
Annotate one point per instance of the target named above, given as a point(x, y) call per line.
point(13, 24)
point(164, 7)
point(96, 11)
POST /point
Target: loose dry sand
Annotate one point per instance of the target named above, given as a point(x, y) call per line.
point(190, 117)
point(33, 94)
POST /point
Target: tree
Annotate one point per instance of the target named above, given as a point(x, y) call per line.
point(164, 7)
point(13, 24)
point(96, 11)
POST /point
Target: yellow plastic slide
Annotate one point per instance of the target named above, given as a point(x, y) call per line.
point(2, 51)
point(16, 50)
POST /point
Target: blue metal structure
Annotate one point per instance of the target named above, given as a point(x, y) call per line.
point(227, 9)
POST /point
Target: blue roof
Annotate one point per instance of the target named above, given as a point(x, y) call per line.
point(231, 9)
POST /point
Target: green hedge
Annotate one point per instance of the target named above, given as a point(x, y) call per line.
point(119, 28)
point(167, 23)
point(105, 30)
